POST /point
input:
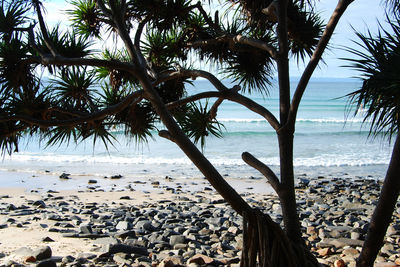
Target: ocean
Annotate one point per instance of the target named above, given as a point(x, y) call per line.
point(328, 141)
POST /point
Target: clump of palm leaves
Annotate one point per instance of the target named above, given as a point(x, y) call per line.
point(196, 122)
point(379, 96)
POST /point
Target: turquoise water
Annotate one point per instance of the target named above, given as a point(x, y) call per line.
point(327, 141)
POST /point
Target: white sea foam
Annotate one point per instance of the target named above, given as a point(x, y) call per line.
point(310, 120)
point(349, 159)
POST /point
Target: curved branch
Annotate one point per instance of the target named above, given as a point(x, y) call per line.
point(264, 169)
point(137, 96)
point(170, 75)
point(257, 44)
point(139, 31)
point(316, 57)
point(214, 108)
point(43, 28)
point(255, 107)
point(193, 98)
point(93, 62)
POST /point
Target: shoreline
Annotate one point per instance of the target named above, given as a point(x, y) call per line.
point(334, 212)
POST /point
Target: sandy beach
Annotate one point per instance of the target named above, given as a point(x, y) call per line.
point(174, 221)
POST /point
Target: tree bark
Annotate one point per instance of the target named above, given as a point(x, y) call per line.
point(287, 194)
point(382, 215)
point(192, 152)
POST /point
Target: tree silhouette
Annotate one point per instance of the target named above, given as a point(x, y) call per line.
point(143, 82)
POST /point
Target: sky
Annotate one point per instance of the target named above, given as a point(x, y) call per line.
point(361, 15)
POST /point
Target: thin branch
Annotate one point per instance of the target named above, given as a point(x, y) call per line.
point(133, 97)
point(264, 169)
point(64, 61)
point(31, 40)
point(255, 107)
point(237, 39)
point(316, 57)
point(139, 31)
point(43, 28)
point(230, 94)
point(193, 98)
point(256, 43)
point(214, 108)
point(170, 75)
point(103, 8)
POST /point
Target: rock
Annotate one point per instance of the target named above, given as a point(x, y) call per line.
point(39, 203)
point(118, 176)
point(91, 181)
point(24, 252)
point(11, 207)
point(125, 234)
point(171, 262)
point(351, 251)
point(325, 252)
point(341, 242)
point(385, 264)
point(355, 235)
point(144, 225)
point(42, 253)
point(65, 176)
point(106, 241)
point(30, 259)
point(47, 263)
point(177, 239)
point(116, 248)
point(123, 225)
point(85, 229)
point(47, 239)
point(201, 259)
point(339, 263)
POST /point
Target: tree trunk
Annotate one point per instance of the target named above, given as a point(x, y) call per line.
point(287, 195)
point(265, 243)
point(383, 212)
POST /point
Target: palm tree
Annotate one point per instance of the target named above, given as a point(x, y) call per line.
point(379, 65)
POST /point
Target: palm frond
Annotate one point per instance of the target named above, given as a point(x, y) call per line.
point(195, 121)
point(163, 48)
point(13, 14)
point(85, 17)
point(117, 78)
point(9, 137)
point(74, 87)
point(14, 74)
point(163, 14)
point(139, 121)
point(67, 44)
point(378, 62)
point(305, 29)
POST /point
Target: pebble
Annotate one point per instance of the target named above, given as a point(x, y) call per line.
point(199, 231)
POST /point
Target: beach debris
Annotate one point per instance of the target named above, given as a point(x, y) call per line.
point(65, 176)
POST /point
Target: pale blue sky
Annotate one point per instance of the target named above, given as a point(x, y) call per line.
point(361, 14)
